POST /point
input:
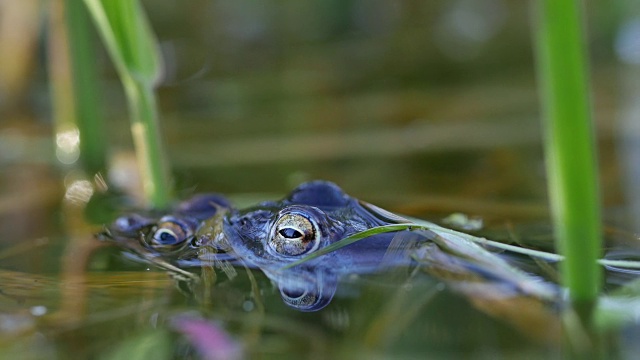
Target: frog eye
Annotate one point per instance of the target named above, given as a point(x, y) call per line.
point(170, 233)
point(294, 234)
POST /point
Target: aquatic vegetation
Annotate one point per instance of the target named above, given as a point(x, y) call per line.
point(134, 51)
point(569, 146)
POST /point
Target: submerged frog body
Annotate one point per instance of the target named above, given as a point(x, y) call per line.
point(270, 236)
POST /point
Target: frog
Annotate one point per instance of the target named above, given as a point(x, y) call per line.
point(275, 234)
point(269, 236)
point(293, 242)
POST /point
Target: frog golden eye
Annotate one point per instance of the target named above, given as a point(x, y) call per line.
point(169, 233)
point(294, 234)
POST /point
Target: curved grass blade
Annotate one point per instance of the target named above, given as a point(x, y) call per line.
point(484, 241)
point(128, 37)
point(625, 264)
point(350, 240)
point(424, 225)
point(134, 51)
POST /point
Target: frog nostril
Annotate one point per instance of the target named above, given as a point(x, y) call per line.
point(126, 222)
point(130, 223)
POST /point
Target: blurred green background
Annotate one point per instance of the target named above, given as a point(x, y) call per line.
point(403, 99)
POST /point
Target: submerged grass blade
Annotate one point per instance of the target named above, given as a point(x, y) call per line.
point(350, 240)
point(483, 241)
point(134, 52)
point(569, 146)
point(420, 226)
point(424, 225)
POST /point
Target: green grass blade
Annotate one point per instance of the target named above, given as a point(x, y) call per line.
point(424, 225)
point(350, 240)
point(134, 52)
point(569, 146)
point(89, 119)
point(128, 37)
point(146, 138)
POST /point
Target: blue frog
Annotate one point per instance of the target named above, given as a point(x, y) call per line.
point(274, 235)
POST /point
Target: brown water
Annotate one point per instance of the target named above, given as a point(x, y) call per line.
point(399, 103)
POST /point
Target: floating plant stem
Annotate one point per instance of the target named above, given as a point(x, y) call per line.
point(133, 49)
point(569, 145)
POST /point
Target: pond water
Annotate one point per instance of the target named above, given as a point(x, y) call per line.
point(399, 103)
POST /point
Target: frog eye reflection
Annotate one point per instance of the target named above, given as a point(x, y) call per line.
point(302, 300)
point(294, 234)
point(170, 233)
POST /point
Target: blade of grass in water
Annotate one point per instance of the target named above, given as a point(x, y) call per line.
point(350, 240)
point(423, 225)
point(134, 52)
point(569, 146)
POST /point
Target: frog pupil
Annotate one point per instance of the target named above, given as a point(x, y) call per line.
point(290, 233)
point(167, 238)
